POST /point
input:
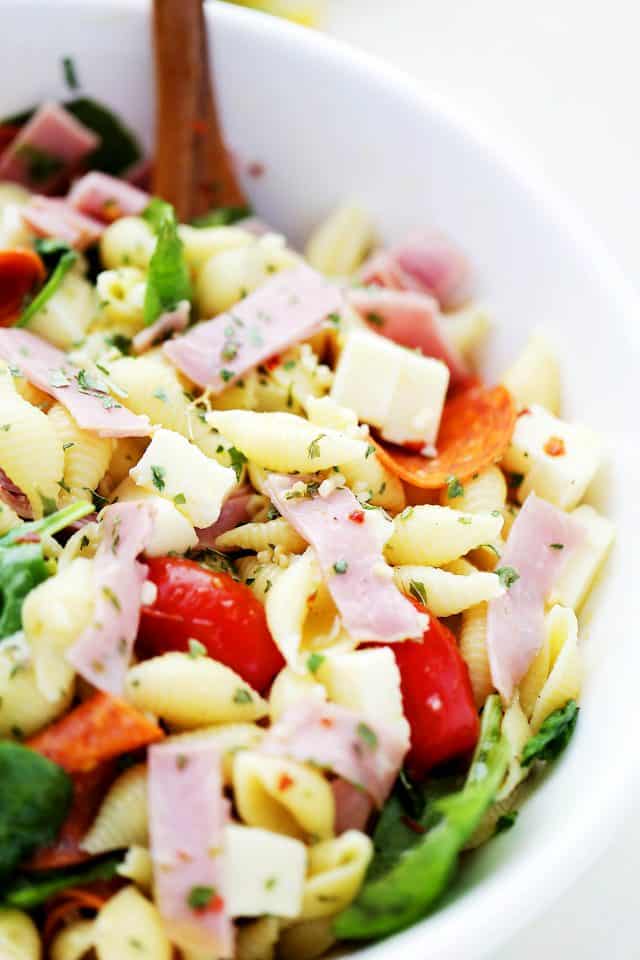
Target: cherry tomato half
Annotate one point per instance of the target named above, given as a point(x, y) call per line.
point(213, 608)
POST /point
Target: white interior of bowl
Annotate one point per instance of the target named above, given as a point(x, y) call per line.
point(326, 124)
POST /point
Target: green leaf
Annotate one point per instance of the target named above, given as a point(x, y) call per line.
point(507, 575)
point(35, 796)
point(48, 525)
point(402, 888)
point(238, 460)
point(27, 892)
point(63, 266)
point(21, 569)
point(553, 735)
point(168, 278)
point(221, 217)
point(118, 148)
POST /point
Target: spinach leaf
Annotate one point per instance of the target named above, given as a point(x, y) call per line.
point(63, 266)
point(118, 148)
point(35, 795)
point(553, 735)
point(27, 892)
point(168, 278)
point(221, 217)
point(420, 873)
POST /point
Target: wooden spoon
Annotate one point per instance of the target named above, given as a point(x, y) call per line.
point(193, 169)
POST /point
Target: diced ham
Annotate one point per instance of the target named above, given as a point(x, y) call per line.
point(187, 816)
point(102, 652)
point(14, 497)
point(234, 512)
point(368, 755)
point(106, 198)
point(48, 149)
point(426, 262)
point(350, 556)
point(51, 217)
point(413, 320)
point(289, 307)
point(540, 542)
point(170, 322)
point(88, 402)
point(353, 806)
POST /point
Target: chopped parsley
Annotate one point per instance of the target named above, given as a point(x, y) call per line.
point(289, 365)
point(270, 883)
point(160, 394)
point(226, 375)
point(197, 649)
point(556, 546)
point(506, 821)
point(334, 318)
point(112, 597)
point(179, 499)
point(314, 662)
point(418, 592)
point(465, 520)
point(200, 898)
point(158, 475)
point(375, 319)
point(507, 575)
point(238, 460)
point(370, 449)
point(406, 513)
point(7, 426)
point(341, 566)
point(313, 450)
point(119, 341)
point(368, 735)
point(242, 695)
point(454, 488)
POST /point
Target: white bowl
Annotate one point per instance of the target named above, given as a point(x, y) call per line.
point(328, 123)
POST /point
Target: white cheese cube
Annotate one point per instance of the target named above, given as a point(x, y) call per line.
point(558, 459)
point(172, 532)
point(265, 872)
point(581, 568)
point(534, 377)
point(177, 470)
point(395, 389)
point(368, 682)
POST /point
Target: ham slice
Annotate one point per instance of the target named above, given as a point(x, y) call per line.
point(106, 198)
point(170, 322)
point(48, 148)
point(187, 818)
point(102, 652)
point(348, 542)
point(368, 755)
point(234, 512)
point(353, 806)
point(289, 307)
point(51, 217)
point(88, 401)
point(540, 542)
point(413, 320)
point(426, 262)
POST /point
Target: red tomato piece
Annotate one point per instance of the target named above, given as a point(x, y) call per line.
point(213, 608)
point(22, 272)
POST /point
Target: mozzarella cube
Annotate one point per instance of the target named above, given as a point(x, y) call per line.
point(558, 459)
point(395, 389)
point(177, 470)
point(368, 682)
point(172, 532)
point(581, 568)
point(265, 872)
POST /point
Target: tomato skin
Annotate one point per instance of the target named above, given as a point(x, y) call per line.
point(213, 608)
point(437, 698)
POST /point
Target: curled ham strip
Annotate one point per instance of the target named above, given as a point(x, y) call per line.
point(234, 512)
point(106, 198)
point(353, 807)
point(14, 497)
point(54, 135)
point(425, 262)
point(368, 756)
point(102, 652)
point(170, 322)
point(51, 217)
point(540, 542)
point(49, 369)
point(413, 320)
point(188, 816)
point(348, 542)
point(289, 307)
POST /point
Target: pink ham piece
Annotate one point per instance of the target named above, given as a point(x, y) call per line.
point(234, 512)
point(412, 320)
point(348, 543)
point(289, 307)
point(187, 818)
point(51, 217)
point(106, 198)
point(353, 806)
point(139, 174)
point(48, 149)
point(170, 322)
point(102, 652)
point(515, 623)
point(426, 262)
point(368, 756)
point(48, 368)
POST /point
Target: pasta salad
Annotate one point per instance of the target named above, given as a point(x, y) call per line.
point(289, 596)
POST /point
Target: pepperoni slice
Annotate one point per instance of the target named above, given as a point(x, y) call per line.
point(21, 273)
point(475, 430)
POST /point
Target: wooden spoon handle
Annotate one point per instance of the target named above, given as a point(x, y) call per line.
point(193, 169)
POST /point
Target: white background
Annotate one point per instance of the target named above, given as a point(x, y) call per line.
point(556, 82)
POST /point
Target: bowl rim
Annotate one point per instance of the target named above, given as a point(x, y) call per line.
point(524, 889)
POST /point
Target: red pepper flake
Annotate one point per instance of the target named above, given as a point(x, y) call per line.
point(285, 781)
point(216, 905)
point(357, 516)
point(273, 361)
point(413, 824)
point(524, 412)
point(326, 722)
point(555, 447)
point(256, 169)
